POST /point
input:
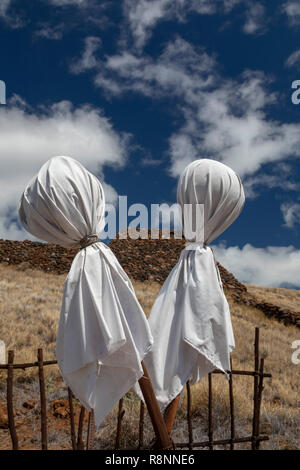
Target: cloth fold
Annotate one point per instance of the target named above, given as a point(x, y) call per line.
point(103, 333)
point(190, 319)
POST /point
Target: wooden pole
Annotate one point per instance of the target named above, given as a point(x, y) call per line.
point(255, 391)
point(231, 399)
point(72, 424)
point(141, 425)
point(170, 413)
point(91, 431)
point(189, 414)
point(43, 400)
point(210, 417)
point(80, 444)
point(9, 400)
point(121, 413)
point(159, 426)
point(259, 397)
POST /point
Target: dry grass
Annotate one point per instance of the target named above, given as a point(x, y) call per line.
point(29, 311)
point(286, 298)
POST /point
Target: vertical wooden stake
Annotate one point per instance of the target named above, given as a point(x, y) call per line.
point(119, 425)
point(255, 391)
point(159, 426)
point(189, 414)
point(73, 437)
point(91, 431)
point(210, 417)
point(259, 397)
point(231, 399)
point(43, 400)
point(141, 426)
point(9, 400)
point(80, 444)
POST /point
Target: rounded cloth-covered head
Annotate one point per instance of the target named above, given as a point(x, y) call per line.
point(63, 203)
point(219, 188)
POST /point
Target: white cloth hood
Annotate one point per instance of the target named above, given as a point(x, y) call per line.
point(219, 188)
point(190, 319)
point(103, 333)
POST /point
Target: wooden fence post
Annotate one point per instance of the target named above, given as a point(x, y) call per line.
point(91, 431)
point(210, 416)
point(80, 444)
point(121, 413)
point(141, 425)
point(72, 424)
point(231, 400)
point(9, 400)
point(156, 417)
point(189, 414)
point(255, 391)
point(43, 400)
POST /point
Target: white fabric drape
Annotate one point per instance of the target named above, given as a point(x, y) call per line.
point(103, 333)
point(190, 320)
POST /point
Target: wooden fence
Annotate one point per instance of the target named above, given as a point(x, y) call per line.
point(254, 439)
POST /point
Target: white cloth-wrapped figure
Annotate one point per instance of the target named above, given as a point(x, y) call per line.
point(190, 319)
point(103, 333)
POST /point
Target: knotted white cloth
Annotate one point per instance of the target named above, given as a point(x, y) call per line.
point(103, 333)
point(190, 320)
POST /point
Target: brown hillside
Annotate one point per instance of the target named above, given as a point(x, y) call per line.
point(143, 259)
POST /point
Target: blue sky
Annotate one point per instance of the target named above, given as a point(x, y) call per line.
point(137, 89)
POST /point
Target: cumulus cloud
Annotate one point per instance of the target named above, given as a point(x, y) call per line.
point(221, 118)
point(30, 137)
point(291, 213)
point(271, 266)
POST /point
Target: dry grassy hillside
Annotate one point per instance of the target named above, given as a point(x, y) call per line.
point(29, 311)
point(285, 298)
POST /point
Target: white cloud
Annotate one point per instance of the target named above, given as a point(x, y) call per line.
point(181, 69)
point(12, 20)
point(281, 176)
point(143, 15)
point(291, 213)
point(270, 266)
point(4, 6)
point(293, 60)
point(221, 118)
point(88, 60)
point(292, 10)
point(50, 32)
point(255, 18)
point(30, 137)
